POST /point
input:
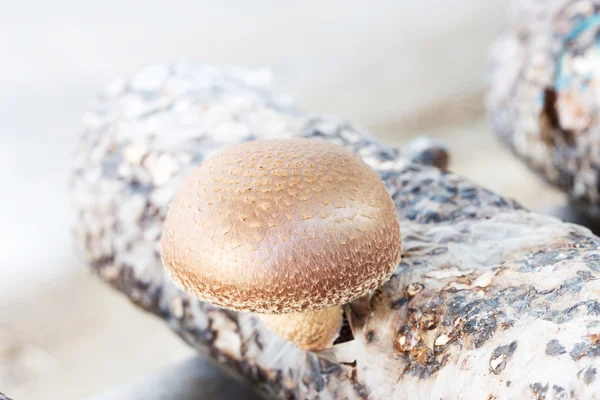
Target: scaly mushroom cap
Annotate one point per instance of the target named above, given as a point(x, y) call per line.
point(281, 226)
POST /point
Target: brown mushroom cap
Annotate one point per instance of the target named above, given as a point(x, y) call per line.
point(281, 226)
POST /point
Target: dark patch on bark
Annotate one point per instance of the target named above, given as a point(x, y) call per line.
point(480, 329)
point(205, 336)
point(258, 341)
point(421, 360)
point(565, 178)
point(505, 354)
point(593, 308)
point(543, 259)
point(430, 319)
point(259, 373)
point(593, 262)
point(559, 392)
point(445, 359)
point(585, 349)
point(399, 303)
point(436, 156)
point(346, 334)
point(327, 367)
point(136, 187)
point(590, 307)
point(538, 390)
point(578, 351)
point(371, 336)
point(361, 390)
point(313, 377)
point(376, 298)
point(550, 128)
point(424, 371)
point(554, 348)
point(441, 199)
point(573, 285)
point(439, 250)
point(584, 242)
point(549, 116)
point(589, 375)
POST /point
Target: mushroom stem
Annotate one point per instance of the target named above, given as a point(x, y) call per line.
point(313, 330)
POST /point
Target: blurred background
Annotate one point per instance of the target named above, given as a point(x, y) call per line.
point(398, 69)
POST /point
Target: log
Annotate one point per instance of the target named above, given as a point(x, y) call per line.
point(489, 301)
point(4, 397)
point(542, 93)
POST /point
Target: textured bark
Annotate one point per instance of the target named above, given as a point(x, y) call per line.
point(543, 93)
point(490, 300)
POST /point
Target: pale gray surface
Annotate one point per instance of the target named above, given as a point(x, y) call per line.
point(191, 379)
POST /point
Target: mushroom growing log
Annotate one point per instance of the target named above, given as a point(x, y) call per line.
point(489, 301)
point(543, 94)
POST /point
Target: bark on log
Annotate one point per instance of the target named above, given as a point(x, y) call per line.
point(490, 300)
point(4, 397)
point(543, 93)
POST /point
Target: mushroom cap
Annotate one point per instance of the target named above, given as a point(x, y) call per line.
point(281, 226)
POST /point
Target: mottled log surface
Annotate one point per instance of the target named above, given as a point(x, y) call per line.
point(544, 93)
point(490, 300)
point(4, 397)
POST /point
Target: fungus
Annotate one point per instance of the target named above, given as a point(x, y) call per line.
point(291, 229)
